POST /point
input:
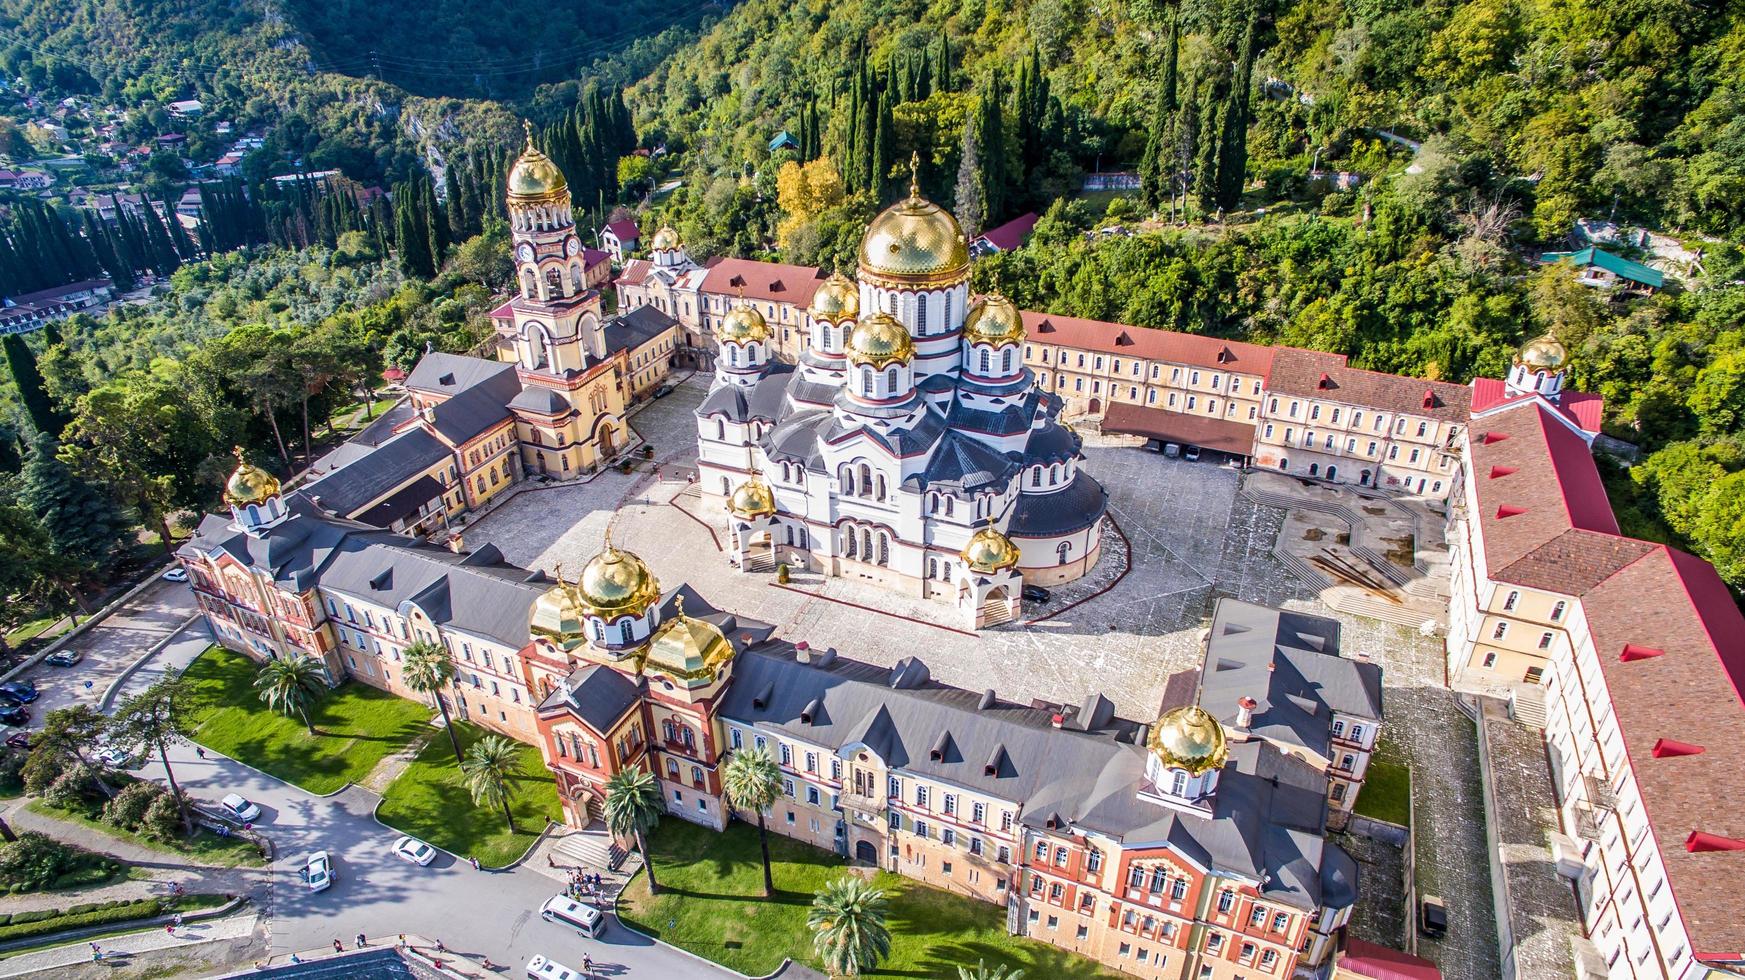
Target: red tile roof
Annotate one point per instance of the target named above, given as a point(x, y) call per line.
point(593, 256)
point(1584, 409)
point(1381, 963)
point(624, 229)
point(1011, 234)
point(1312, 374)
point(769, 281)
point(1691, 693)
point(634, 272)
point(1146, 342)
point(1206, 431)
point(503, 312)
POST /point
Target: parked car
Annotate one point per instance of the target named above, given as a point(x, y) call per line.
point(64, 658)
point(1432, 916)
point(1171, 450)
point(116, 758)
point(12, 714)
point(175, 575)
point(234, 805)
point(19, 740)
point(23, 692)
point(414, 850)
point(663, 391)
point(318, 872)
point(1192, 454)
point(585, 919)
point(1034, 593)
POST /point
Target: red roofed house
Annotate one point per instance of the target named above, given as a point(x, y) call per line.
point(619, 239)
point(1367, 961)
point(782, 293)
point(1005, 238)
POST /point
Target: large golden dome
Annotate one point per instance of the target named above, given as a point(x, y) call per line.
point(1543, 354)
point(1189, 738)
point(752, 499)
point(557, 614)
point(687, 649)
point(837, 299)
point(914, 242)
point(534, 177)
point(880, 340)
point(248, 483)
point(617, 583)
point(743, 324)
point(665, 238)
point(989, 551)
point(994, 320)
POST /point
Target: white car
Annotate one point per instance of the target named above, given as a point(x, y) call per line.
point(241, 809)
point(318, 872)
point(414, 850)
point(116, 758)
point(175, 575)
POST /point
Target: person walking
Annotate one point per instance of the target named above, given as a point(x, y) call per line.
point(361, 941)
point(178, 920)
point(200, 752)
point(338, 947)
point(475, 863)
point(587, 965)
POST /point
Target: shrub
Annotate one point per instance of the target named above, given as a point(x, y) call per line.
point(127, 810)
point(163, 819)
point(34, 860)
point(27, 924)
point(74, 789)
point(12, 770)
point(41, 770)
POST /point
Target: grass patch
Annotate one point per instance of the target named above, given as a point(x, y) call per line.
point(34, 628)
point(429, 802)
point(204, 847)
point(1387, 787)
point(357, 725)
point(24, 925)
point(711, 903)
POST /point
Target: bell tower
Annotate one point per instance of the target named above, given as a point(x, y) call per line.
point(556, 322)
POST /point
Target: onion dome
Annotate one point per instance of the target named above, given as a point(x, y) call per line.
point(558, 612)
point(1189, 738)
point(249, 484)
point(914, 242)
point(534, 177)
point(1542, 354)
point(687, 648)
point(989, 551)
point(665, 238)
point(993, 320)
point(880, 340)
point(752, 499)
point(743, 324)
point(836, 299)
point(617, 583)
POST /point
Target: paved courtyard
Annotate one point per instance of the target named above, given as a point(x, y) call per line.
point(1191, 537)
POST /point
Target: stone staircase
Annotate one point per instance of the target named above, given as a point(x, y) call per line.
point(1357, 604)
point(589, 849)
point(1527, 704)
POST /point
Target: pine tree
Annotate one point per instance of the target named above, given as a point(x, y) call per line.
point(83, 525)
point(38, 407)
point(968, 194)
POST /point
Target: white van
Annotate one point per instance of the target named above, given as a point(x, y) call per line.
point(585, 919)
point(540, 968)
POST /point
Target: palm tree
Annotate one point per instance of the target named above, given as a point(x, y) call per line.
point(427, 670)
point(291, 686)
point(985, 972)
point(486, 771)
point(753, 780)
point(848, 926)
point(632, 808)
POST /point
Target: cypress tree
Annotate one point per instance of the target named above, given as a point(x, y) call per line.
point(884, 147)
point(83, 525)
point(968, 195)
point(38, 407)
point(1233, 146)
point(1206, 159)
point(991, 140)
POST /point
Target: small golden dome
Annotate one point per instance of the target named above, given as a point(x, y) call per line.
point(665, 238)
point(743, 324)
point(752, 499)
point(994, 320)
point(914, 242)
point(1189, 738)
point(989, 551)
point(836, 299)
point(686, 648)
point(557, 614)
point(617, 583)
point(880, 340)
point(1542, 354)
point(534, 177)
point(248, 483)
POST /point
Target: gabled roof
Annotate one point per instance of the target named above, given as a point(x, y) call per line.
point(377, 472)
point(1205, 431)
point(1583, 410)
point(476, 410)
point(1621, 267)
point(598, 695)
point(634, 272)
point(1145, 342)
point(440, 373)
point(623, 229)
point(773, 282)
point(1312, 374)
point(628, 331)
point(1012, 234)
point(762, 400)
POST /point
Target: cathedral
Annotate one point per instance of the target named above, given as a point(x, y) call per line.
point(909, 446)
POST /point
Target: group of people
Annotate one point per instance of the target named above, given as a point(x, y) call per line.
point(585, 884)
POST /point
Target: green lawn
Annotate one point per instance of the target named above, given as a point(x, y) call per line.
point(429, 802)
point(357, 725)
point(204, 848)
point(1387, 787)
point(711, 903)
point(34, 628)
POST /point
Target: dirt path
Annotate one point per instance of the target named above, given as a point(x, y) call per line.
point(390, 768)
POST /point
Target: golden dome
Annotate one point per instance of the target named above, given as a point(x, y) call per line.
point(880, 340)
point(1542, 354)
point(1189, 738)
point(617, 583)
point(665, 238)
point(534, 177)
point(914, 242)
point(557, 614)
point(836, 299)
point(994, 320)
point(248, 483)
point(752, 499)
point(989, 551)
point(687, 649)
point(743, 324)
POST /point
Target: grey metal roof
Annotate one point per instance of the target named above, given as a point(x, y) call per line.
point(628, 331)
point(762, 400)
point(378, 472)
point(1289, 663)
point(797, 438)
point(1078, 506)
point(537, 398)
point(476, 409)
point(1052, 442)
point(597, 695)
point(403, 503)
point(1010, 420)
point(450, 374)
point(966, 464)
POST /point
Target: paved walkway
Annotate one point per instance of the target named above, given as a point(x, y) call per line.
point(116, 949)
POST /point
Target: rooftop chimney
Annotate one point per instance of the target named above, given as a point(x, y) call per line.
point(1245, 706)
point(987, 700)
point(1057, 720)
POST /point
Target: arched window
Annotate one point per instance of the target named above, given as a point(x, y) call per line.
point(576, 278)
point(599, 631)
point(528, 284)
point(850, 542)
point(880, 482)
point(891, 380)
point(696, 776)
point(984, 361)
point(725, 488)
point(1036, 476)
point(1063, 549)
point(1006, 360)
point(884, 549)
point(624, 634)
point(921, 314)
point(932, 568)
point(721, 428)
point(866, 544)
point(553, 283)
point(866, 480)
point(866, 381)
point(948, 503)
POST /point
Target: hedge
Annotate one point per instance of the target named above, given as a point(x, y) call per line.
point(23, 925)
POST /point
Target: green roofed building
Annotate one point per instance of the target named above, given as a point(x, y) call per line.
point(1603, 270)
